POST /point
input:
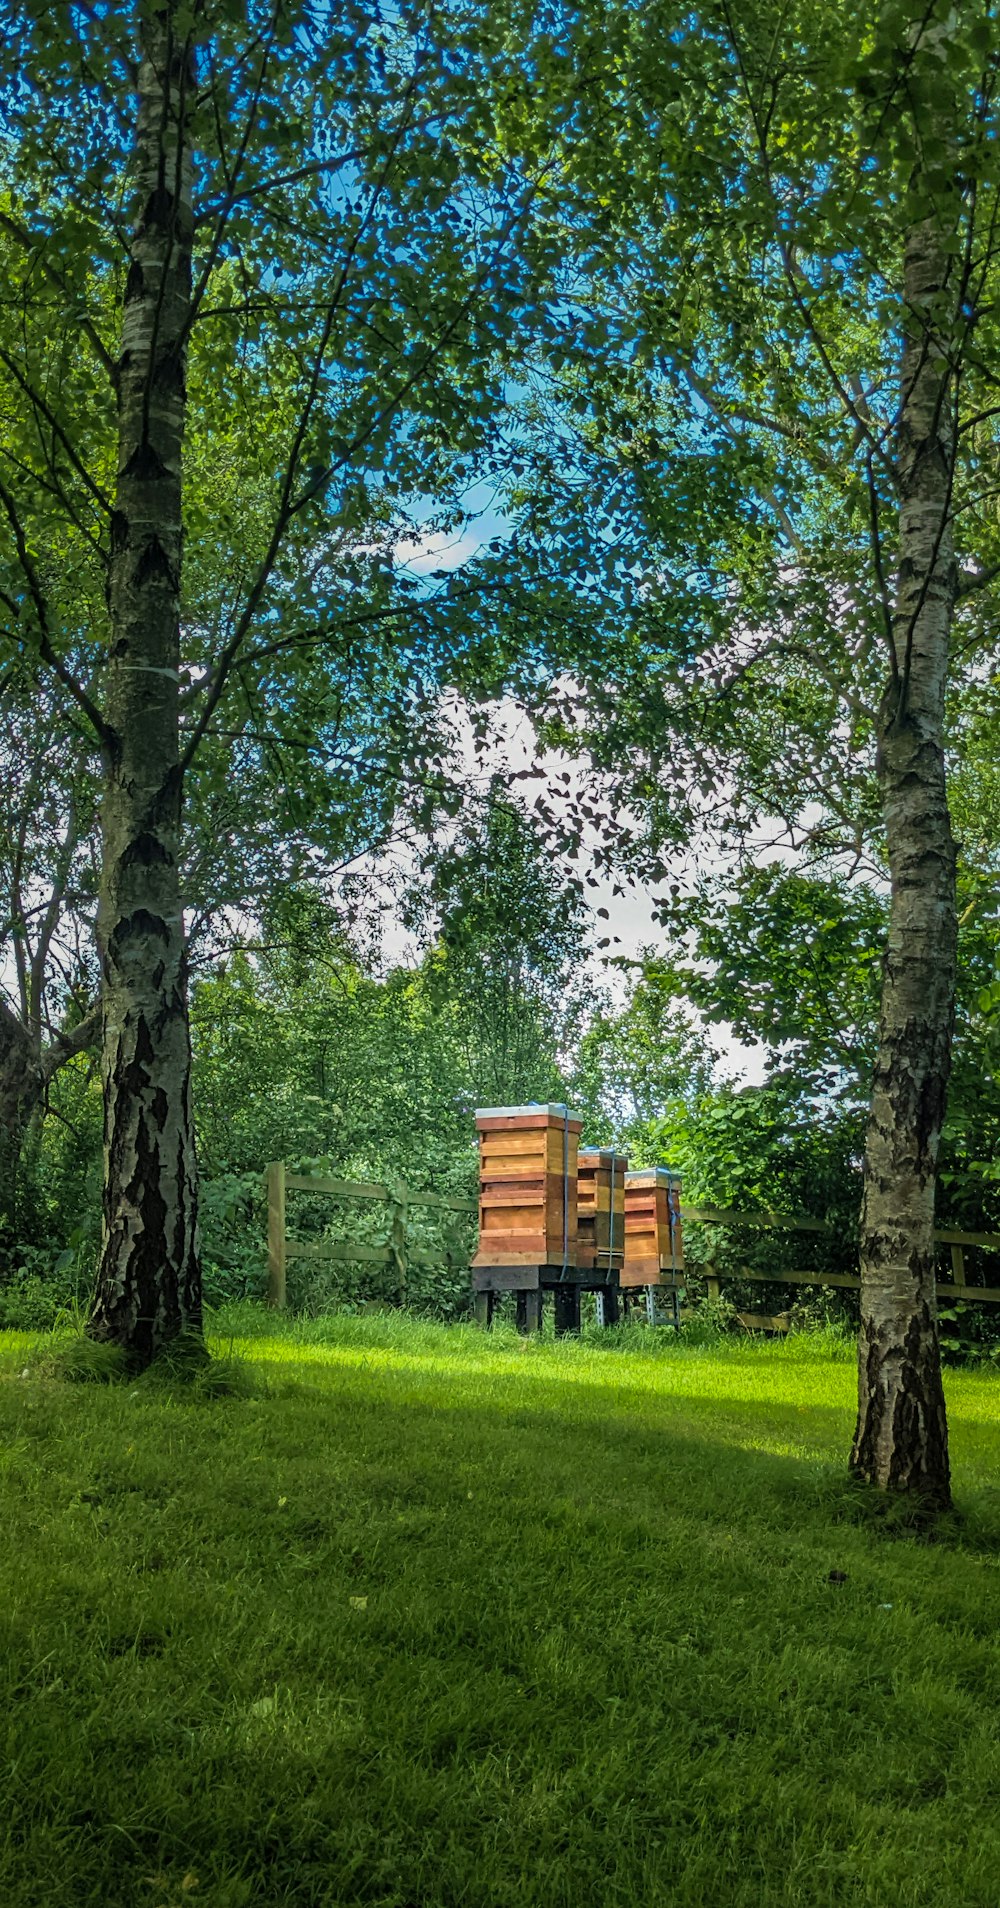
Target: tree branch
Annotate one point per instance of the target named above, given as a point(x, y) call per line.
point(67, 1043)
point(58, 279)
point(45, 649)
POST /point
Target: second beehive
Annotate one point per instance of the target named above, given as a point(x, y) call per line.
point(601, 1211)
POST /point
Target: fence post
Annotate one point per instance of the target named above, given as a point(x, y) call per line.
point(397, 1238)
point(713, 1283)
point(276, 1235)
point(958, 1265)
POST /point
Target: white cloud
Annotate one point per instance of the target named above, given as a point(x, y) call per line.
point(439, 550)
point(631, 925)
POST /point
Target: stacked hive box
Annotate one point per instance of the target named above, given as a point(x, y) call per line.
point(601, 1213)
point(654, 1249)
point(527, 1190)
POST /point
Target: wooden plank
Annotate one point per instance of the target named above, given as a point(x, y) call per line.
point(536, 1256)
point(528, 1164)
point(537, 1221)
point(368, 1189)
point(528, 1156)
point(798, 1222)
point(528, 1312)
point(769, 1221)
point(764, 1321)
point(344, 1252)
point(589, 1277)
point(442, 1200)
point(338, 1188)
point(339, 1252)
point(567, 1310)
point(986, 1294)
point(514, 1276)
point(543, 1140)
point(541, 1193)
point(524, 1247)
point(505, 1278)
point(849, 1280)
point(276, 1247)
point(989, 1239)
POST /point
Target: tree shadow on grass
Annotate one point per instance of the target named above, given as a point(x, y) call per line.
point(723, 1457)
point(726, 1456)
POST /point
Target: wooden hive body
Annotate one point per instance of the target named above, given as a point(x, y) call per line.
point(527, 1186)
point(601, 1210)
point(654, 1247)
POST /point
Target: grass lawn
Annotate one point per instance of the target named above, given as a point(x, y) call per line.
point(434, 1620)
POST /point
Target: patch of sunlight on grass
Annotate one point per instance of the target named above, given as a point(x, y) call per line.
point(16, 1347)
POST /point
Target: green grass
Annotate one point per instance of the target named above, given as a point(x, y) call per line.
point(409, 1618)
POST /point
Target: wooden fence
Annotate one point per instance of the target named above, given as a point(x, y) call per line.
point(398, 1250)
point(958, 1242)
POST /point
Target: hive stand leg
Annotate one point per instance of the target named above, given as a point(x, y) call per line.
point(529, 1312)
point(599, 1309)
point(610, 1304)
point(567, 1304)
point(485, 1302)
point(651, 1304)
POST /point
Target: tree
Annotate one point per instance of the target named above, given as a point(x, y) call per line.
point(782, 238)
point(510, 940)
point(294, 795)
point(314, 202)
point(638, 1066)
point(790, 958)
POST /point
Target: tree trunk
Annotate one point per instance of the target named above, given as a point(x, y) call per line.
point(901, 1441)
point(149, 1284)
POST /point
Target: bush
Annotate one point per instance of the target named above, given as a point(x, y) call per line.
point(42, 1289)
point(712, 1319)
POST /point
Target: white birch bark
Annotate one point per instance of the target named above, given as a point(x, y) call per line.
point(901, 1440)
point(148, 1287)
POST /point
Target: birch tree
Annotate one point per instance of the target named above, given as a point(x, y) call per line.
point(781, 232)
point(901, 1439)
point(218, 192)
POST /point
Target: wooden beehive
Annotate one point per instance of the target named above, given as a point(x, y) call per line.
point(527, 1185)
point(654, 1248)
point(601, 1211)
